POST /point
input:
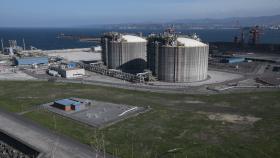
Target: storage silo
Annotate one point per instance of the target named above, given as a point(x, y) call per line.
point(127, 53)
point(177, 59)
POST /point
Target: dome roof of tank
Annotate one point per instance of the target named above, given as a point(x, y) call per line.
point(188, 42)
point(132, 38)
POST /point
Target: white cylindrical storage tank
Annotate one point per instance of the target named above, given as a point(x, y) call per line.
point(184, 60)
point(124, 52)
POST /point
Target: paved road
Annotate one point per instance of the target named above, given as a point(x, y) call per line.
point(130, 86)
point(202, 89)
point(45, 140)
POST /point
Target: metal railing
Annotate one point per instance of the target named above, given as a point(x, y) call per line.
point(101, 69)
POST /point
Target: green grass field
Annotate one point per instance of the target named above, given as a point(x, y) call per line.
point(176, 121)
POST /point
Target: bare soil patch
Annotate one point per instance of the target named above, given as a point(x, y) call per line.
point(231, 118)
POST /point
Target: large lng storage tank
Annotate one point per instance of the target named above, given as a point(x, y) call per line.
point(177, 59)
point(127, 53)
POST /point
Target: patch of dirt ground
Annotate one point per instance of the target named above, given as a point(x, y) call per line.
point(194, 102)
point(231, 118)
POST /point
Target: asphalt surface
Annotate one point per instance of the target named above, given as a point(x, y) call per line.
point(51, 144)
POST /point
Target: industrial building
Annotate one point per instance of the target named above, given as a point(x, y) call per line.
point(174, 58)
point(69, 104)
point(31, 61)
point(127, 53)
point(53, 73)
point(68, 70)
point(12, 49)
point(72, 73)
point(71, 65)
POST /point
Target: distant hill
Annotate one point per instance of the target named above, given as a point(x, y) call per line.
point(234, 22)
point(242, 21)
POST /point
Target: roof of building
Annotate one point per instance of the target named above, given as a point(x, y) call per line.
point(132, 38)
point(67, 102)
point(31, 60)
point(188, 42)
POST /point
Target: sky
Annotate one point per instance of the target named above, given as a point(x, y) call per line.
point(71, 13)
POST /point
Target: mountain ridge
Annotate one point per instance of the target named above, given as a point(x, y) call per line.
point(231, 21)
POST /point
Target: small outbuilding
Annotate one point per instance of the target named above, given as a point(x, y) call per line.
point(69, 105)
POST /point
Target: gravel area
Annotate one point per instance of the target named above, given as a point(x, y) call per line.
point(9, 74)
point(7, 151)
point(76, 55)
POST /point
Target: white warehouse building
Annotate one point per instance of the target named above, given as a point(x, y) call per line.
point(67, 71)
point(72, 73)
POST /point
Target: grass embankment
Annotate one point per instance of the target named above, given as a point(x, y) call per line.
point(175, 121)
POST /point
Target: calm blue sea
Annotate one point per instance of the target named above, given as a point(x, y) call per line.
point(46, 38)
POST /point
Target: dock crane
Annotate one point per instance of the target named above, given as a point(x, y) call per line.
point(255, 34)
point(2, 45)
point(252, 34)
